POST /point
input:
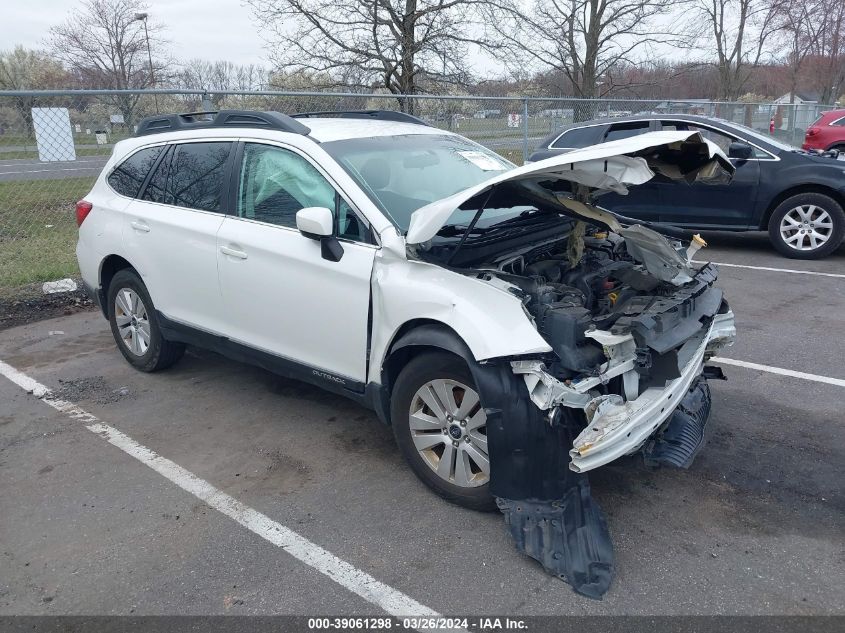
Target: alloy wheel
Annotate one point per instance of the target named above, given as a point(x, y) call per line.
point(449, 429)
point(133, 322)
point(806, 227)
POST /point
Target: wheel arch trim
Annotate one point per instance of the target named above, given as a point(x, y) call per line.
point(109, 266)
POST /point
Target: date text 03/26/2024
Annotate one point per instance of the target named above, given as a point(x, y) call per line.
point(424, 623)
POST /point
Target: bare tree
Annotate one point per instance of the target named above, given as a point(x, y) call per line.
point(397, 45)
point(583, 41)
point(105, 45)
point(800, 29)
point(828, 51)
point(739, 31)
point(220, 76)
point(24, 69)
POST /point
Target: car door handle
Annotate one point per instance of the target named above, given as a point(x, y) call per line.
point(231, 252)
point(139, 226)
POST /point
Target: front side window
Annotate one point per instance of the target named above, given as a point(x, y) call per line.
point(275, 183)
point(722, 140)
point(197, 175)
point(128, 177)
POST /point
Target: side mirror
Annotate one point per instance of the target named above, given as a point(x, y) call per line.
point(315, 222)
point(740, 150)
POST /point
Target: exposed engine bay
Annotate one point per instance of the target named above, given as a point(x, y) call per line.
point(630, 321)
point(606, 289)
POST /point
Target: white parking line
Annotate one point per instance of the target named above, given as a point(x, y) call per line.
point(358, 582)
point(780, 371)
point(777, 270)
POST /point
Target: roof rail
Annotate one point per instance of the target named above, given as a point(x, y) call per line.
point(220, 119)
point(380, 115)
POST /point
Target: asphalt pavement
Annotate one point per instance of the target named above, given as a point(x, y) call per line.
point(33, 169)
point(755, 526)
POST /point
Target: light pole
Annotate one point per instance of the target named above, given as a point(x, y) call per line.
point(143, 18)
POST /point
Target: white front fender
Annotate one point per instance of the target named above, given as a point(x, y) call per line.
point(491, 321)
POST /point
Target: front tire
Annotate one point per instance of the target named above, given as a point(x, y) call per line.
point(807, 226)
point(441, 429)
point(135, 327)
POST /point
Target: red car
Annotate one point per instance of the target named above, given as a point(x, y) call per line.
point(826, 132)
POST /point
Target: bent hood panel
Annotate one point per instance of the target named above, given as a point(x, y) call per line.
point(613, 166)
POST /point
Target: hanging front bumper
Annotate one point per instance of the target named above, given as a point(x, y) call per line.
point(617, 426)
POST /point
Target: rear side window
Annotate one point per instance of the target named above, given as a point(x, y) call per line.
point(197, 176)
point(155, 191)
point(128, 177)
point(577, 137)
point(840, 122)
point(626, 130)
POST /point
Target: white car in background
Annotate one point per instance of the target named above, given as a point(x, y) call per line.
point(513, 334)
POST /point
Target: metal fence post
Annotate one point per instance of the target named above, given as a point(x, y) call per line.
point(524, 130)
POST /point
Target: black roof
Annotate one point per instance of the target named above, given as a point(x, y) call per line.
point(643, 116)
point(727, 126)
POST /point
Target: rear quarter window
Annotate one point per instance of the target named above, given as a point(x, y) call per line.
point(626, 130)
point(127, 178)
point(577, 137)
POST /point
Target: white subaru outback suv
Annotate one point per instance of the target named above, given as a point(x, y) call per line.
point(514, 334)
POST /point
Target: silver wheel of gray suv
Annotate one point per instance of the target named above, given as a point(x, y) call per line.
point(807, 226)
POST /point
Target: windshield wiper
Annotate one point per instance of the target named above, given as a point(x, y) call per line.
point(451, 230)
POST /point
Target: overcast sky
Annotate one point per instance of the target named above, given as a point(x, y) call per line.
point(210, 29)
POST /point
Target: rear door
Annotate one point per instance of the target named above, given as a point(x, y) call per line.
point(170, 233)
point(712, 205)
point(281, 294)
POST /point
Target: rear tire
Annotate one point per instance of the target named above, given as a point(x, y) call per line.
point(135, 327)
point(807, 226)
point(445, 381)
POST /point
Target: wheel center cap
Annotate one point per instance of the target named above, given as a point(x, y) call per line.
point(455, 432)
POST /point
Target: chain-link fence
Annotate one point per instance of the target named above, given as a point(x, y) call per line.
point(53, 144)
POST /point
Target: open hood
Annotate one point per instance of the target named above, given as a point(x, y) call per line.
point(612, 166)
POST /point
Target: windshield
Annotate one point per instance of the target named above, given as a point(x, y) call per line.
point(403, 173)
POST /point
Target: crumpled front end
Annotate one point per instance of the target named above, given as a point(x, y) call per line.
point(626, 374)
point(620, 424)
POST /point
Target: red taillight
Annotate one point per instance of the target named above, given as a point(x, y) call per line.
point(83, 208)
point(812, 131)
